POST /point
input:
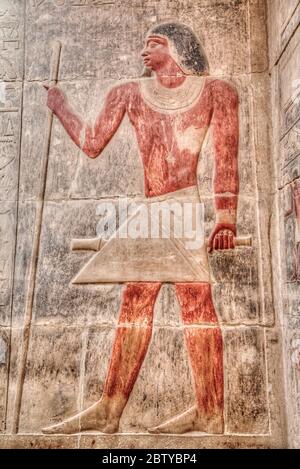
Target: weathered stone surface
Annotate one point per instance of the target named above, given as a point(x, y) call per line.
point(247, 406)
point(289, 20)
point(258, 35)
point(4, 361)
point(55, 388)
point(10, 126)
point(52, 382)
point(11, 39)
point(135, 441)
point(284, 51)
point(72, 327)
point(7, 247)
point(283, 21)
point(289, 81)
point(11, 71)
point(114, 33)
point(292, 370)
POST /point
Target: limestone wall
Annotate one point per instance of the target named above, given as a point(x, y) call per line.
point(284, 45)
point(68, 330)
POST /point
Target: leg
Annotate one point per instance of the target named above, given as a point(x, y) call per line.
point(132, 338)
point(205, 347)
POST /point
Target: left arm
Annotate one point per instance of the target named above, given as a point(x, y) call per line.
point(225, 131)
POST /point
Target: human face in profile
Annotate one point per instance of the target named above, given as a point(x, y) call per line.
point(156, 54)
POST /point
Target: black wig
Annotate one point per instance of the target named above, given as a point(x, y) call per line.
point(190, 54)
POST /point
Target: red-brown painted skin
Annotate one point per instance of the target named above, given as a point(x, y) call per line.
point(155, 133)
point(204, 345)
point(131, 342)
point(217, 107)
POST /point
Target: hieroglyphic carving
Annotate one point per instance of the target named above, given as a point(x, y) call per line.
point(290, 171)
point(291, 145)
point(293, 365)
point(9, 147)
point(290, 137)
point(292, 235)
point(290, 27)
point(10, 35)
point(290, 155)
point(288, 92)
point(11, 62)
point(6, 260)
point(11, 41)
point(291, 114)
point(7, 70)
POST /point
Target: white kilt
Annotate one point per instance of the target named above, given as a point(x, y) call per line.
point(162, 259)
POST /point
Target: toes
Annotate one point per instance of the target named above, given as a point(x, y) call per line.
point(63, 429)
point(49, 430)
point(153, 430)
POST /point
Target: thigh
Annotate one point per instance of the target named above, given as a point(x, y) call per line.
point(196, 303)
point(138, 302)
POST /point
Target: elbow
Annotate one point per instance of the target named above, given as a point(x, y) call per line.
point(91, 146)
point(91, 153)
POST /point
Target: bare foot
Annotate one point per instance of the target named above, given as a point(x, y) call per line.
point(97, 417)
point(190, 421)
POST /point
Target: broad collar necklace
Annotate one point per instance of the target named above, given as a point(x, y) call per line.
point(163, 99)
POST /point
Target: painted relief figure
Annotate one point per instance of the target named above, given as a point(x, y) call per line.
point(171, 109)
point(295, 211)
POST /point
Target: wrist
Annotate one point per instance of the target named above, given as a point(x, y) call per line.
point(224, 226)
point(226, 208)
point(226, 216)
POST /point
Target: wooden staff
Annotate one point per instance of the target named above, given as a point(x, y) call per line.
point(54, 68)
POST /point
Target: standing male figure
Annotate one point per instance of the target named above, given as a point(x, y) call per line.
point(171, 111)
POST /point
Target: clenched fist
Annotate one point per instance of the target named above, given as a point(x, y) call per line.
point(56, 98)
point(222, 237)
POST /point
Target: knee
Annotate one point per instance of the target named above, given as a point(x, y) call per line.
point(196, 303)
point(138, 303)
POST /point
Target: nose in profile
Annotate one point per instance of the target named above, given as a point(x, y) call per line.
point(144, 52)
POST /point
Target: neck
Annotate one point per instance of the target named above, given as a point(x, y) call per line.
point(170, 76)
point(170, 82)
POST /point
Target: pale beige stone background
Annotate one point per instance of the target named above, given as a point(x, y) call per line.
point(73, 326)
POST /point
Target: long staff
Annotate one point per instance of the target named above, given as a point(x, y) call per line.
point(36, 246)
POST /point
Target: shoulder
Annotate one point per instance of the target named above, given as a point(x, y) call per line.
point(123, 91)
point(222, 91)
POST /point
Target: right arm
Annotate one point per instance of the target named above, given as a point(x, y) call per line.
point(91, 139)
